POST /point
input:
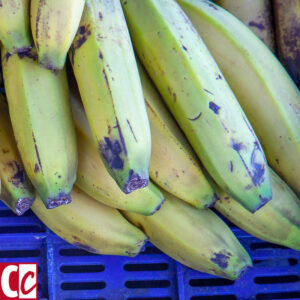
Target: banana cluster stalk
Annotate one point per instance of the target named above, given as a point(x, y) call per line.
point(92, 226)
point(277, 222)
point(106, 72)
point(198, 239)
point(54, 24)
point(264, 89)
point(15, 32)
point(256, 14)
point(287, 22)
point(16, 190)
point(197, 94)
point(42, 123)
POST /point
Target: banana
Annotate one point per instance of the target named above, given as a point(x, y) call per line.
point(92, 226)
point(200, 99)
point(198, 239)
point(42, 123)
point(17, 192)
point(15, 32)
point(54, 25)
point(105, 69)
point(277, 222)
point(267, 94)
point(287, 21)
point(256, 14)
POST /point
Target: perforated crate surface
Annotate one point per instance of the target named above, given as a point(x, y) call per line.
point(69, 273)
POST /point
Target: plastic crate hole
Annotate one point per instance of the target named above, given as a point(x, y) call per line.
point(217, 297)
point(151, 250)
point(265, 245)
point(147, 284)
point(283, 295)
point(146, 267)
point(20, 253)
point(75, 252)
point(275, 262)
point(84, 299)
point(149, 298)
point(22, 229)
point(276, 279)
point(82, 269)
point(78, 286)
point(210, 282)
point(11, 214)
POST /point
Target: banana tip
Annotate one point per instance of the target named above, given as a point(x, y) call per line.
point(134, 182)
point(215, 198)
point(243, 271)
point(158, 206)
point(263, 201)
point(23, 205)
point(61, 199)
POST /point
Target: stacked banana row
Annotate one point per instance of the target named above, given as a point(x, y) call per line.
point(205, 116)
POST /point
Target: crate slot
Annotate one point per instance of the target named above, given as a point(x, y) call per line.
point(144, 284)
point(215, 297)
point(149, 298)
point(146, 267)
point(276, 279)
point(22, 229)
point(82, 268)
point(75, 252)
point(20, 253)
point(282, 295)
point(275, 262)
point(151, 250)
point(265, 245)
point(78, 286)
point(8, 213)
point(210, 282)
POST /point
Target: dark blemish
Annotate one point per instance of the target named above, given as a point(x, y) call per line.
point(224, 126)
point(219, 77)
point(121, 137)
point(108, 129)
point(207, 91)
point(4, 151)
point(1, 3)
point(23, 204)
point(19, 175)
point(81, 37)
point(81, 30)
point(131, 130)
point(111, 152)
point(28, 54)
point(37, 153)
point(100, 16)
point(134, 182)
point(184, 48)
point(106, 80)
point(169, 90)
point(86, 248)
point(100, 55)
point(258, 169)
point(211, 5)
point(38, 15)
point(256, 25)
point(36, 168)
point(237, 146)
point(72, 50)
point(174, 97)
point(226, 198)
point(75, 237)
point(7, 56)
point(196, 118)
point(214, 107)
point(125, 2)
point(277, 161)
point(22, 49)
point(221, 259)
point(61, 199)
point(156, 174)
point(248, 187)
point(231, 166)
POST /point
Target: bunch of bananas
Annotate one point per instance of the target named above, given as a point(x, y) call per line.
point(205, 116)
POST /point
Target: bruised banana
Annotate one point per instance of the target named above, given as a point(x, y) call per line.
point(200, 99)
point(264, 89)
point(106, 72)
point(92, 226)
point(15, 32)
point(42, 123)
point(198, 239)
point(17, 191)
point(277, 222)
point(54, 25)
point(256, 14)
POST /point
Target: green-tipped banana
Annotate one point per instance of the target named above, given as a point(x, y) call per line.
point(92, 226)
point(15, 32)
point(105, 69)
point(267, 94)
point(54, 24)
point(200, 99)
point(198, 239)
point(42, 122)
point(277, 222)
point(17, 192)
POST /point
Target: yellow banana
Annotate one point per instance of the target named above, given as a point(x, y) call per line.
point(256, 14)
point(267, 94)
point(54, 24)
point(15, 32)
point(42, 122)
point(200, 99)
point(287, 21)
point(92, 226)
point(277, 222)
point(105, 69)
point(198, 239)
point(17, 192)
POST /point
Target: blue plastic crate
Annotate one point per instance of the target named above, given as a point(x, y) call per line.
point(69, 273)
